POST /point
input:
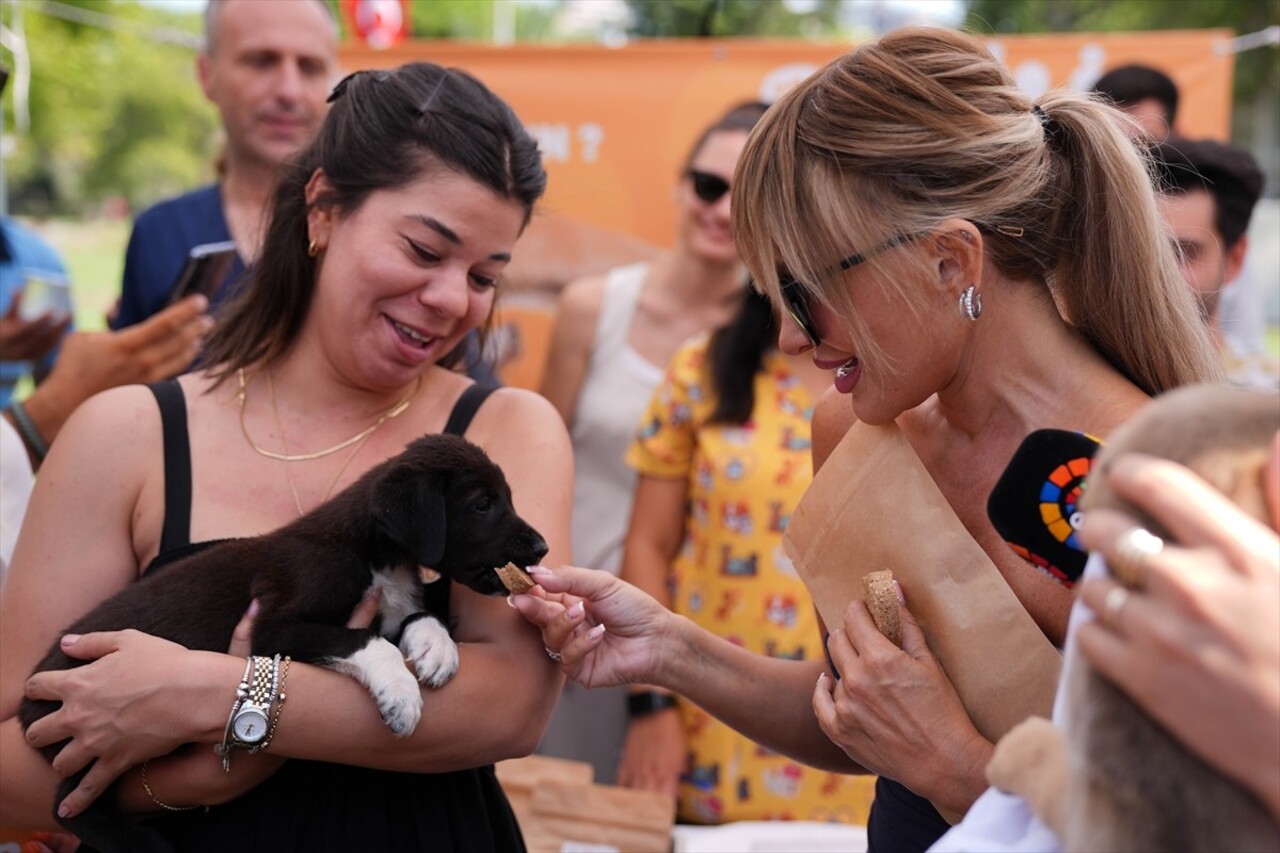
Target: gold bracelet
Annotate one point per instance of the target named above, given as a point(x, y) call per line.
point(280, 697)
point(157, 800)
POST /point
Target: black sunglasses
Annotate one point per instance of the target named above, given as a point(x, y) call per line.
point(708, 187)
point(795, 298)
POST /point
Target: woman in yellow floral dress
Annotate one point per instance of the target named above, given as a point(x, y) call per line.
point(723, 455)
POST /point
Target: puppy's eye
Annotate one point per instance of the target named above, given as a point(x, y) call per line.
point(483, 505)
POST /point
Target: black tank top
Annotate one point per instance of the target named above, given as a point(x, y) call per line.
point(313, 806)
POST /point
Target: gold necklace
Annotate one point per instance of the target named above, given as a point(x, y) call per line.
point(395, 410)
point(359, 439)
point(288, 462)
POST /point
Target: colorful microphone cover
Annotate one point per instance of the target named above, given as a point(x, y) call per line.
point(1033, 505)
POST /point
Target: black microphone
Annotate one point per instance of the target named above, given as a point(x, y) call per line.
point(1034, 503)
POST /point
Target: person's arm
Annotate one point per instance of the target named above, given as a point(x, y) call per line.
point(653, 754)
point(74, 551)
point(577, 313)
point(654, 535)
point(638, 641)
point(90, 362)
point(1199, 643)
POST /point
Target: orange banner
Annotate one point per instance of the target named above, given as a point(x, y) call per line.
point(614, 124)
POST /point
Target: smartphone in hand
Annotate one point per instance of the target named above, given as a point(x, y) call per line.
point(205, 270)
point(45, 292)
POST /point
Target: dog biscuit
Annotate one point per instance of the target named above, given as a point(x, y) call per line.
point(882, 601)
point(514, 578)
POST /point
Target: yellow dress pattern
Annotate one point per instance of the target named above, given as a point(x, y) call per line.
point(732, 578)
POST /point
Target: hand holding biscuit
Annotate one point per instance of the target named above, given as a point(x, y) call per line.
point(606, 632)
point(893, 710)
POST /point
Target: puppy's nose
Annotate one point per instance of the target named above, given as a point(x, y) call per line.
point(538, 545)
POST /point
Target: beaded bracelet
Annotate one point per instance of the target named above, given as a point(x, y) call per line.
point(258, 691)
point(27, 429)
point(242, 690)
point(152, 794)
point(280, 697)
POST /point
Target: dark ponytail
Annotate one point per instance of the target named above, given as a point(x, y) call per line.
point(736, 354)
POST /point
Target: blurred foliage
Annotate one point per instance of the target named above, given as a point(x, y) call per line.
point(1257, 71)
point(771, 18)
point(471, 21)
point(113, 113)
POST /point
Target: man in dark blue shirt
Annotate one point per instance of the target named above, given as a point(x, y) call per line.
point(268, 68)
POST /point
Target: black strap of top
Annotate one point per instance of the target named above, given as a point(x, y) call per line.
point(177, 464)
point(466, 407)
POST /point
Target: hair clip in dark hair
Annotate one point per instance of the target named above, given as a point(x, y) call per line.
point(426, 105)
point(1011, 230)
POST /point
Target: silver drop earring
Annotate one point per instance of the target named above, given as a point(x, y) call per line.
point(970, 302)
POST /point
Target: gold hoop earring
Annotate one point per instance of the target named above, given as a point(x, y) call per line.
point(312, 250)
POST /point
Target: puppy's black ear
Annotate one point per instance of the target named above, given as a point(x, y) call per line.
point(410, 510)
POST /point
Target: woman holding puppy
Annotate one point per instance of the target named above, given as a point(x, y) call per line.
point(388, 239)
point(973, 266)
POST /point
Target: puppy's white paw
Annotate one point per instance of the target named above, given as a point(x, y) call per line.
point(429, 648)
point(380, 667)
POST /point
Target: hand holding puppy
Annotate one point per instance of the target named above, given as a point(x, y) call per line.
point(1199, 636)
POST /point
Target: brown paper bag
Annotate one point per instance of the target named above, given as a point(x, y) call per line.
point(873, 506)
point(558, 808)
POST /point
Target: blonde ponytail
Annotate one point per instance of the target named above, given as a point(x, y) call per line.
point(1115, 273)
point(923, 125)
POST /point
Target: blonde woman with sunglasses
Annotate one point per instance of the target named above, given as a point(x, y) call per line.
point(974, 265)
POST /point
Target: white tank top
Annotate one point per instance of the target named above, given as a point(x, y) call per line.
point(615, 392)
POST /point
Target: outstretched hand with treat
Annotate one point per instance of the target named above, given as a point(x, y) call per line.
point(604, 632)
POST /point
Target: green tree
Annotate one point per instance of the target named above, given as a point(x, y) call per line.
point(113, 111)
point(772, 18)
point(470, 20)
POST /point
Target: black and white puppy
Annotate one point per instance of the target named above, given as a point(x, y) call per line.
point(440, 504)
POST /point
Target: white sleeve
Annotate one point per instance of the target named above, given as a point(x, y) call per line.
point(15, 489)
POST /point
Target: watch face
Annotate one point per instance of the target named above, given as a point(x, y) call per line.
point(250, 725)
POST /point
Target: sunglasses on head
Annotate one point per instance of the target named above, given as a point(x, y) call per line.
point(796, 299)
point(708, 187)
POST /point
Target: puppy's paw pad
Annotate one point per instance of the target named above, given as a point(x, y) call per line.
point(427, 646)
